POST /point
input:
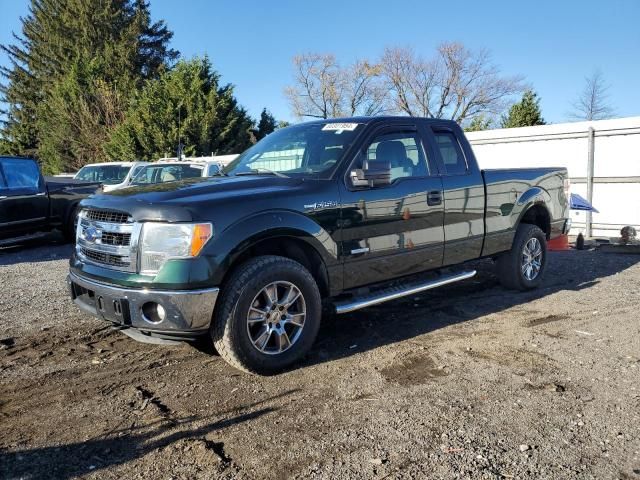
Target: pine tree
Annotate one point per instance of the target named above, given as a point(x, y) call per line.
point(525, 113)
point(478, 123)
point(71, 52)
point(266, 125)
point(186, 104)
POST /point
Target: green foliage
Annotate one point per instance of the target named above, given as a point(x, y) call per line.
point(479, 122)
point(210, 119)
point(76, 63)
point(525, 113)
point(77, 119)
point(266, 125)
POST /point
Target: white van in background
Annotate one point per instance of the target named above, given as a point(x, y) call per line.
point(112, 175)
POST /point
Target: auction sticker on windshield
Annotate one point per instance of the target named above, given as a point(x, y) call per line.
point(340, 127)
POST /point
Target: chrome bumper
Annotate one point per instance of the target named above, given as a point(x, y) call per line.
point(187, 312)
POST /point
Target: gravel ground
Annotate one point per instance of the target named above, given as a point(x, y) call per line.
point(468, 381)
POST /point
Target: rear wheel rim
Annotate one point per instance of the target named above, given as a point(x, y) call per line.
point(276, 318)
point(532, 259)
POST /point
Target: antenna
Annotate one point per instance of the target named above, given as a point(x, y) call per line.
point(180, 146)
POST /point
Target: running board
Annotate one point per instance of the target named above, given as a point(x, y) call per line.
point(23, 238)
point(399, 291)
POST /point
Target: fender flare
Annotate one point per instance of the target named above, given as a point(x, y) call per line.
point(232, 242)
point(532, 197)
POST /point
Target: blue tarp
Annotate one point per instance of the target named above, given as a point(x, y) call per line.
point(578, 203)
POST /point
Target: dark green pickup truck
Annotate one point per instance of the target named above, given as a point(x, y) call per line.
point(349, 213)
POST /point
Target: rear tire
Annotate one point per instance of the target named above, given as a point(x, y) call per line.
point(268, 316)
point(522, 267)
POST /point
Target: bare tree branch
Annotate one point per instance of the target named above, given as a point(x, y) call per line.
point(457, 84)
point(593, 103)
point(324, 89)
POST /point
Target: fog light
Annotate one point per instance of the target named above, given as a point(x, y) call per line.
point(153, 312)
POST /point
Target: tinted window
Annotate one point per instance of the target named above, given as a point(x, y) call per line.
point(165, 173)
point(213, 170)
point(20, 174)
point(402, 150)
point(451, 153)
point(107, 174)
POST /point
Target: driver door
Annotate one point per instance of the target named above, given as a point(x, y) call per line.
point(24, 203)
point(393, 230)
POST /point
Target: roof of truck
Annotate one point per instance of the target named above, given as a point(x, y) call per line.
point(380, 118)
point(124, 164)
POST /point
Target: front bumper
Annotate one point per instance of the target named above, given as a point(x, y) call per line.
point(187, 312)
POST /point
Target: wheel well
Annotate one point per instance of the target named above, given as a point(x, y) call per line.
point(292, 248)
point(538, 215)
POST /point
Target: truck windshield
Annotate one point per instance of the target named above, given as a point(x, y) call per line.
point(166, 173)
point(107, 174)
point(311, 149)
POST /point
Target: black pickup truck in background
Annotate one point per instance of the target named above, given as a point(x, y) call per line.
point(350, 212)
point(30, 206)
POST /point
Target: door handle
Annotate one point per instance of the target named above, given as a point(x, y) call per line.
point(434, 198)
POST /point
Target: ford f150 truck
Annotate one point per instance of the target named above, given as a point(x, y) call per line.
point(349, 213)
point(31, 205)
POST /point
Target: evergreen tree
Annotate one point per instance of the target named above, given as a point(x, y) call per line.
point(185, 104)
point(72, 52)
point(525, 113)
point(479, 122)
point(266, 125)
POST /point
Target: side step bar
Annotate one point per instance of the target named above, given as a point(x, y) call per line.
point(23, 238)
point(399, 292)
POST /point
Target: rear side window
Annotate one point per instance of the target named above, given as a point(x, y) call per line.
point(20, 174)
point(451, 153)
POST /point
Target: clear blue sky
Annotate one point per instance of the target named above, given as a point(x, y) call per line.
point(553, 44)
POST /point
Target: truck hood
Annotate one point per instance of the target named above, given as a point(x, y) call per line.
point(170, 201)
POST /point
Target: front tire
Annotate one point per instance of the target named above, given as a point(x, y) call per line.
point(268, 316)
point(522, 267)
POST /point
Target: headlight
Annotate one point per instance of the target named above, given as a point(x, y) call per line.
point(162, 241)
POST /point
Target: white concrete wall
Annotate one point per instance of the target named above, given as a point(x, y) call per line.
point(616, 189)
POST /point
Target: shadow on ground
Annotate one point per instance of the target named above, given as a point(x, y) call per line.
point(119, 447)
point(404, 319)
point(48, 248)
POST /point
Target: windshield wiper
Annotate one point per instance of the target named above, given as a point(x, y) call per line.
point(262, 171)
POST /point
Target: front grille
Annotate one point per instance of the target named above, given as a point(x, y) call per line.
point(108, 238)
point(106, 258)
point(118, 239)
point(106, 216)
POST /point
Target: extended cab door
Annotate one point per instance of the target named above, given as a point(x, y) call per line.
point(24, 203)
point(392, 230)
point(464, 195)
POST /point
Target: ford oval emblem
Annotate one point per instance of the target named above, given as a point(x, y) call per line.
point(91, 234)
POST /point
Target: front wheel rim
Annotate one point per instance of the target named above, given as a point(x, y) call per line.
point(276, 318)
point(532, 259)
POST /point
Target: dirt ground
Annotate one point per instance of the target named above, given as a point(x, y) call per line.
point(468, 381)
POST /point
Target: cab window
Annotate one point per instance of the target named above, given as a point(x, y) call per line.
point(451, 153)
point(403, 151)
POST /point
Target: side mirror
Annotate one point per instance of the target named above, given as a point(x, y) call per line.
point(373, 173)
